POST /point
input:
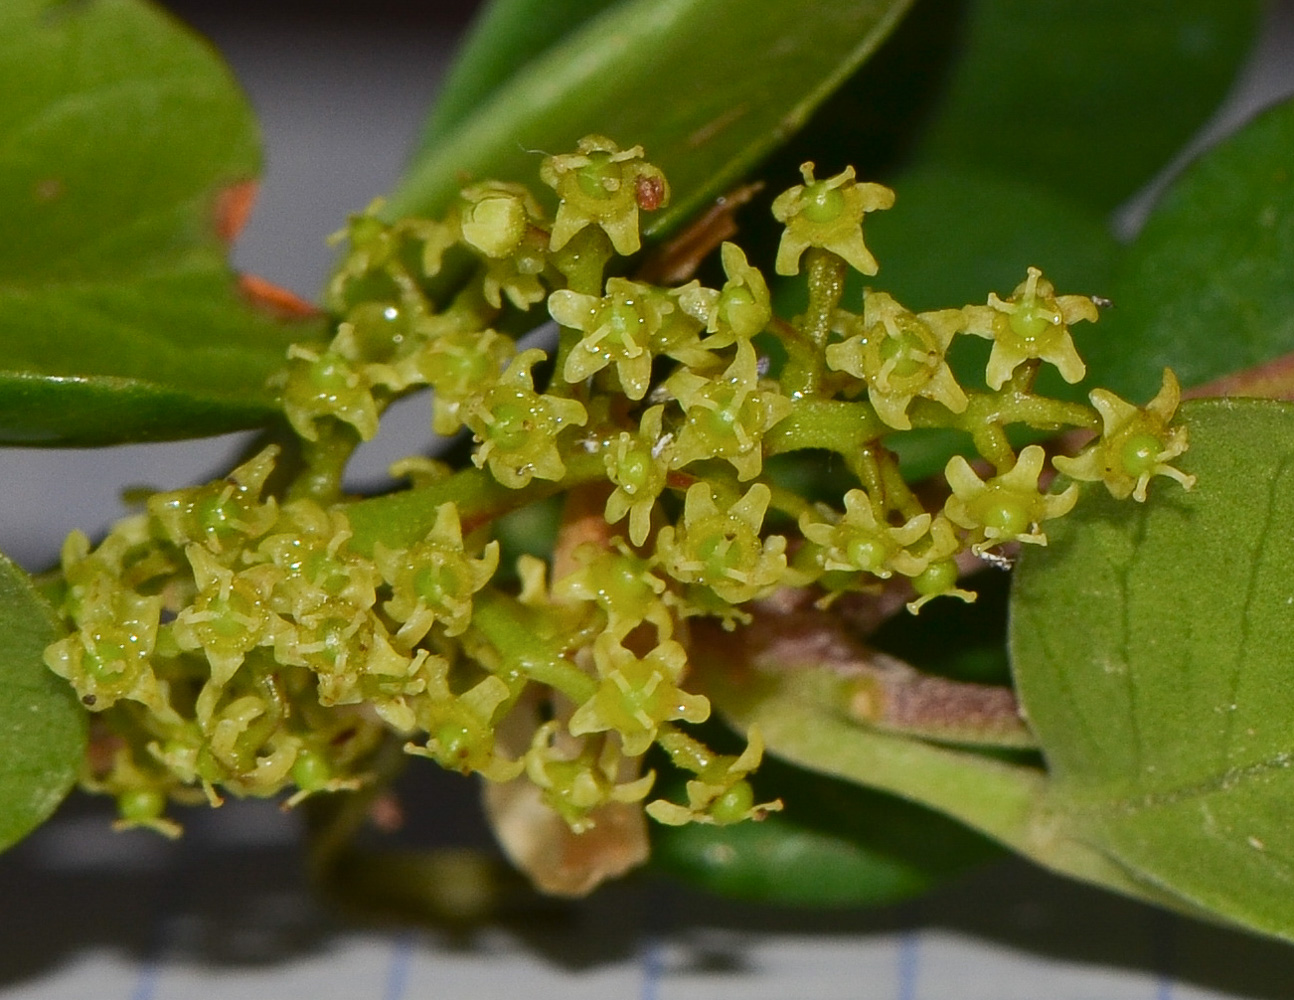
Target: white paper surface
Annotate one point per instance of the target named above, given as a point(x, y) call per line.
point(224, 915)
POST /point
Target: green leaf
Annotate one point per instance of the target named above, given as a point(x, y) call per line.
point(119, 316)
point(506, 35)
point(706, 86)
point(1206, 287)
point(1090, 99)
point(42, 728)
point(1151, 649)
point(835, 844)
point(955, 234)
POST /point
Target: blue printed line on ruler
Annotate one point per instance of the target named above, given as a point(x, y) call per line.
point(397, 973)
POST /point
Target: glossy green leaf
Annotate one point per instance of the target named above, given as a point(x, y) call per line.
point(506, 35)
point(955, 234)
point(42, 728)
point(119, 316)
point(835, 844)
point(1151, 647)
point(1206, 287)
point(706, 86)
point(1091, 99)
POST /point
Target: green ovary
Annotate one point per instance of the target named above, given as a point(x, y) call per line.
point(1034, 324)
point(593, 177)
point(867, 552)
point(1140, 454)
point(937, 578)
point(734, 804)
point(1007, 517)
point(822, 203)
point(512, 425)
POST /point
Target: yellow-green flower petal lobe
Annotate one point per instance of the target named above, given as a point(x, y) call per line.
point(1005, 508)
point(517, 428)
point(637, 695)
point(1032, 323)
point(1135, 445)
point(602, 185)
point(618, 330)
point(901, 355)
point(722, 550)
point(726, 416)
point(827, 214)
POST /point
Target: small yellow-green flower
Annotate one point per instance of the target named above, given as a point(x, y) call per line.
point(900, 355)
point(637, 695)
point(309, 544)
point(737, 312)
point(517, 427)
point(575, 786)
point(108, 657)
point(230, 615)
point(501, 223)
point(387, 256)
point(460, 728)
point(1136, 443)
point(618, 330)
point(1004, 508)
point(722, 550)
point(247, 749)
point(638, 465)
point(726, 416)
point(621, 584)
point(460, 365)
point(323, 384)
point(827, 214)
point(859, 543)
point(222, 515)
point(603, 185)
point(494, 217)
point(435, 579)
point(1033, 323)
point(720, 793)
point(939, 577)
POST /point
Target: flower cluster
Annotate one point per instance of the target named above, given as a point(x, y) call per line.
point(265, 652)
point(267, 634)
